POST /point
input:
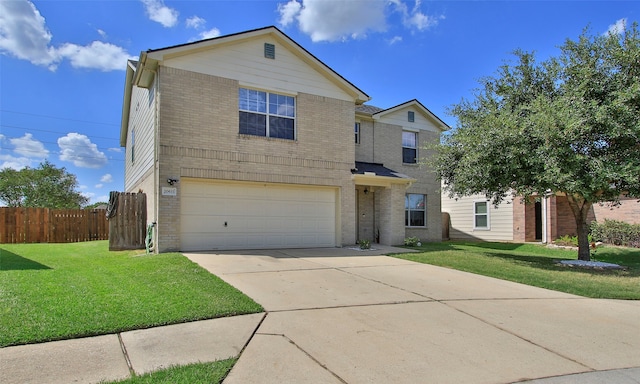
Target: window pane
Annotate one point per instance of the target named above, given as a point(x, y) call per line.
point(481, 207)
point(406, 218)
point(481, 221)
point(416, 201)
point(281, 105)
point(409, 155)
point(281, 127)
point(409, 139)
point(251, 100)
point(417, 219)
point(253, 124)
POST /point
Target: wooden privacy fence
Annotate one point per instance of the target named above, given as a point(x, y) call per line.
point(44, 225)
point(127, 214)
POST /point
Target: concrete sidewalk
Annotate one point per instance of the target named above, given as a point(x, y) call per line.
point(350, 316)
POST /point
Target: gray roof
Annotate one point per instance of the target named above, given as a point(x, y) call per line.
point(377, 168)
point(368, 109)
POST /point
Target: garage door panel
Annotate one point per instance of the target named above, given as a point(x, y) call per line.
point(257, 216)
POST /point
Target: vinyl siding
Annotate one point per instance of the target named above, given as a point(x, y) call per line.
point(142, 120)
point(461, 214)
point(245, 62)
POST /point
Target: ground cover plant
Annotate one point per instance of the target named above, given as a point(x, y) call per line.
point(187, 374)
point(59, 291)
point(537, 265)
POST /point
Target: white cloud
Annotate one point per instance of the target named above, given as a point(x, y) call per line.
point(395, 39)
point(288, 12)
point(23, 34)
point(160, 13)
point(79, 150)
point(115, 149)
point(97, 55)
point(102, 33)
point(17, 163)
point(415, 19)
point(328, 20)
point(99, 185)
point(27, 146)
point(195, 22)
point(214, 32)
point(107, 178)
point(325, 20)
point(617, 28)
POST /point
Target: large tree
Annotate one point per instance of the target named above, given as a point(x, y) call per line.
point(45, 187)
point(568, 125)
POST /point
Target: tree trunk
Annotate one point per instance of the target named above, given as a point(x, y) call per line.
point(580, 208)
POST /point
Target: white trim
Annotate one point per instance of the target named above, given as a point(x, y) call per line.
point(473, 208)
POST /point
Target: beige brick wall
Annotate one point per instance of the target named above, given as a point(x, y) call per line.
point(382, 143)
point(199, 138)
point(628, 211)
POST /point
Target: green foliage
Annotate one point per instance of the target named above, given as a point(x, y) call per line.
point(364, 244)
point(95, 205)
point(616, 233)
point(566, 125)
point(42, 187)
point(412, 242)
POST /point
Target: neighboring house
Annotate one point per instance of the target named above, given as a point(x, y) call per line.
point(246, 141)
point(544, 219)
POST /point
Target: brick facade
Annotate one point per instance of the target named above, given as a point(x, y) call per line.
point(198, 138)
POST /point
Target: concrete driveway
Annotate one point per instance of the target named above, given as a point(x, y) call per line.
point(349, 316)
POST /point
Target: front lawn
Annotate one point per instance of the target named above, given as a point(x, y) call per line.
point(60, 291)
point(536, 265)
point(186, 374)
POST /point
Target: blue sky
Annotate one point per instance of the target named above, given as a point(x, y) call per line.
point(62, 62)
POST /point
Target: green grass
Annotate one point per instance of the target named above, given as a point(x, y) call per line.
point(537, 265)
point(60, 291)
point(187, 374)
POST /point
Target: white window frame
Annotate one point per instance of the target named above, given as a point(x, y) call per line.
point(475, 214)
point(415, 146)
point(267, 113)
point(357, 132)
point(407, 210)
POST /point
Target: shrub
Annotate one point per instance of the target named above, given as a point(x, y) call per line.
point(364, 244)
point(617, 233)
point(567, 241)
point(412, 241)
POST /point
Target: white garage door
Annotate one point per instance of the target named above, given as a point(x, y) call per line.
point(255, 216)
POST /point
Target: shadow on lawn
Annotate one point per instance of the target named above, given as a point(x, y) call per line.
point(9, 261)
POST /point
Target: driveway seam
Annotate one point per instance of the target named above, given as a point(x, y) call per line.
point(591, 369)
point(307, 354)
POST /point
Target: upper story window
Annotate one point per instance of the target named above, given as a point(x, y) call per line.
point(409, 149)
point(266, 114)
point(415, 212)
point(411, 116)
point(480, 215)
point(357, 132)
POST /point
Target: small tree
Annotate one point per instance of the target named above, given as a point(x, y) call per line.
point(569, 125)
point(44, 187)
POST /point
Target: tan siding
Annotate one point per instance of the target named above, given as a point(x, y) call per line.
point(400, 118)
point(141, 119)
point(246, 63)
point(461, 214)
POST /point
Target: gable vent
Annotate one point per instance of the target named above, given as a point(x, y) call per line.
point(269, 51)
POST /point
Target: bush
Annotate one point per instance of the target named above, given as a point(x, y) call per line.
point(364, 244)
point(567, 241)
point(412, 242)
point(617, 233)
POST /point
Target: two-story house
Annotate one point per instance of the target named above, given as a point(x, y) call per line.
point(246, 141)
